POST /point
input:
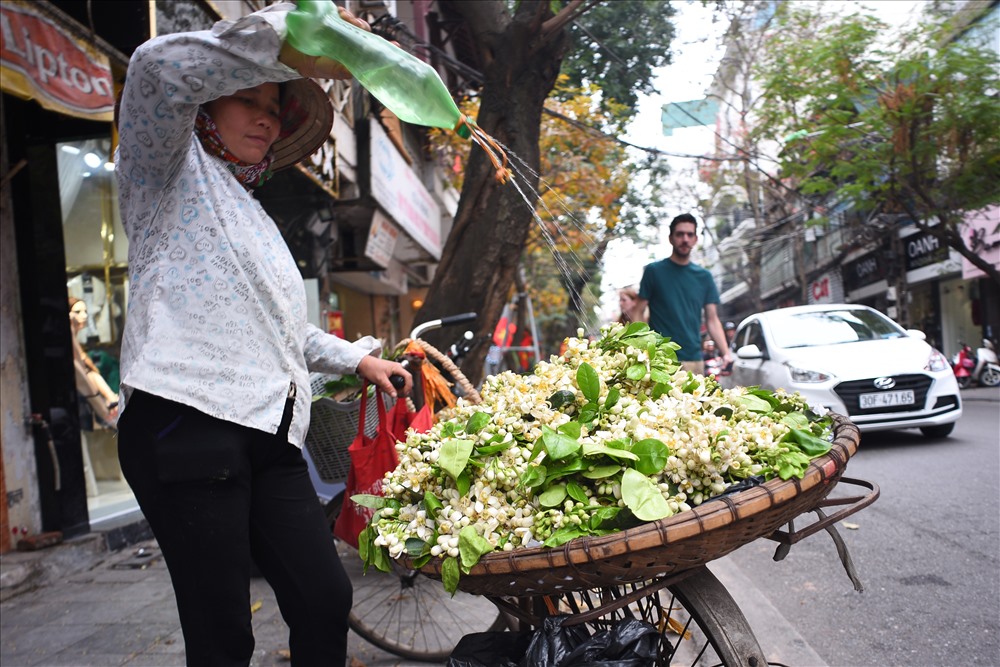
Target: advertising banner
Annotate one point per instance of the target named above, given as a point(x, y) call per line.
point(41, 61)
point(981, 232)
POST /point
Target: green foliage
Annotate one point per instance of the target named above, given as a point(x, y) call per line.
point(913, 126)
point(619, 45)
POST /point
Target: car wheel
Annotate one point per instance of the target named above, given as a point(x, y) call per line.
point(990, 377)
point(939, 431)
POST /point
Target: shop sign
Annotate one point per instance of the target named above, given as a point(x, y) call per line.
point(399, 191)
point(826, 289)
point(382, 237)
point(39, 61)
point(981, 232)
point(923, 249)
point(864, 271)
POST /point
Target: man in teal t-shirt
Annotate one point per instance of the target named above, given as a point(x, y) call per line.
point(677, 291)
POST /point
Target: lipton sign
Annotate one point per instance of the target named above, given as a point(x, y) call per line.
point(40, 61)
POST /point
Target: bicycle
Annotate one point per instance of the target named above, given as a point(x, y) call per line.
point(401, 612)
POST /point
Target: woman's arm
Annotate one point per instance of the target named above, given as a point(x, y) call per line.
point(170, 76)
point(326, 353)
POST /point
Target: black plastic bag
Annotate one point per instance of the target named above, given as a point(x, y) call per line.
point(630, 643)
point(490, 649)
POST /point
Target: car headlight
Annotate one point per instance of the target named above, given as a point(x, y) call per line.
point(805, 375)
point(937, 362)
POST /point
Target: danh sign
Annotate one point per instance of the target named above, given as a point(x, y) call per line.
point(41, 61)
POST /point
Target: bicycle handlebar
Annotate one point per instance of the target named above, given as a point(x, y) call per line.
point(443, 322)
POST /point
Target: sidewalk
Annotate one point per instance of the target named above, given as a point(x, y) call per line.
point(119, 610)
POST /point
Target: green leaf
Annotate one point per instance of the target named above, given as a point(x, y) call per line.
point(576, 492)
point(724, 411)
point(415, 547)
point(652, 455)
point(660, 389)
point(454, 456)
point(589, 412)
point(600, 472)
point(553, 496)
point(796, 420)
point(564, 535)
point(561, 398)
point(594, 449)
point(691, 384)
point(635, 328)
point(450, 574)
point(432, 504)
point(365, 540)
point(463, 483)
point(636, 372)
point(557, 445)
point(588, 382)
point(808, 443)
point(566, 467)
point(612, 398)
point(571, 429)
point(603, 515)
point(753, 403)
point(534, 476)
point(471, 547)
point(643, 497)
point(370, 501)
point(476, 423)
point(493, 449)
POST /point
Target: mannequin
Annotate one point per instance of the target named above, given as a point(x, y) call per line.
point(102, 401)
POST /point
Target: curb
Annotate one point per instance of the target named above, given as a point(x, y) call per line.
point(23, 571)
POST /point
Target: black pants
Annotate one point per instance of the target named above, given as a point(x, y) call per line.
point(215, 493)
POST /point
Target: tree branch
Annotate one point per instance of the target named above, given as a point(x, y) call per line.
point(568, 13)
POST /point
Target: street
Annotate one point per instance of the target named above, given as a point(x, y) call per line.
point(927, 552)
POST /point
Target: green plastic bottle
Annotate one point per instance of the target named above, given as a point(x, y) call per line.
point(407, 86)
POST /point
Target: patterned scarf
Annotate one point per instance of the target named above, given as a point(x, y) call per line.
point(249, 175)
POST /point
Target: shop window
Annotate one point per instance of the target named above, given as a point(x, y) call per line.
point(96, 270)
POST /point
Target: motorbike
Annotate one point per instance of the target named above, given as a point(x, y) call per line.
point(987, 369)
point(979, 366)
point(962, 364)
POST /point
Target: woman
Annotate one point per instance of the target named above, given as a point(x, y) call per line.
point(630, 307)
point(98, 401)
point(216, 351)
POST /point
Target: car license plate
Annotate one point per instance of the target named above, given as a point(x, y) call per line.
point(886, 399)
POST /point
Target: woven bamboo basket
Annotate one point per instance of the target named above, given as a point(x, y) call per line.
point(680, 542)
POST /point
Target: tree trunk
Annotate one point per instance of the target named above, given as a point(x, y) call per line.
point(480, 257)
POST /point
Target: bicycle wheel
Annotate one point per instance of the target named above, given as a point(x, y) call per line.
point(699, 622)
point(406, 613)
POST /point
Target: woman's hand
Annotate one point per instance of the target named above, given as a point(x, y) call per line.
point(377, 371)
point(320, 67)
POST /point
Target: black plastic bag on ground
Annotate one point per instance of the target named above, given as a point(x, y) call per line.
point(490, 649)
point(630, 643)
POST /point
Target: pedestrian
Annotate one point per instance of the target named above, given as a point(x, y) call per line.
point(678, 292)
point(630, 306)
point(217, 350)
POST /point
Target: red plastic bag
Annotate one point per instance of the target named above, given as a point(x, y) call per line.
point(402, 419)
point(371, 458)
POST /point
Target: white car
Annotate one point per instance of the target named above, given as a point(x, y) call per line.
point(849, 359)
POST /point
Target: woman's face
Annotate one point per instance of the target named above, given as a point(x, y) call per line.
point(248, 121)
point(625, 302)
point(78, 315)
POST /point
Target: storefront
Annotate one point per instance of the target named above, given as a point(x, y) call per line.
point(60, 216)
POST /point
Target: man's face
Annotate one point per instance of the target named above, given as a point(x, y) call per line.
point(683, 238)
